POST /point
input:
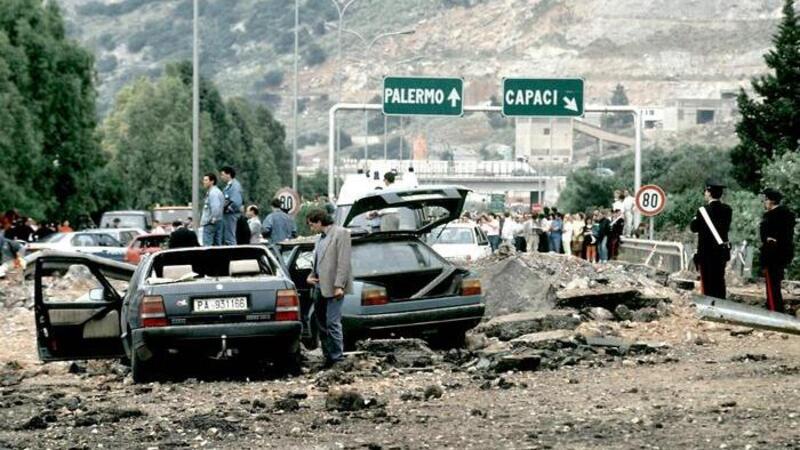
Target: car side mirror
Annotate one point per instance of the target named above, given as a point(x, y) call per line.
point(96, 295)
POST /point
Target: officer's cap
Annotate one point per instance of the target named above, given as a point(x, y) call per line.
point(712, 183)
point(772, 194)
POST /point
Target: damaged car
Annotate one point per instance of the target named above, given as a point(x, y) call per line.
point(217, 302)
point(402, 287)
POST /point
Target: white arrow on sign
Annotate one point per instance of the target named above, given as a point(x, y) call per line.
point(571, 104)
point(454, 97)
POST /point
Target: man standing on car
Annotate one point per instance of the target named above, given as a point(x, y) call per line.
point(332, 279)
point(711, 223)
point(278, 226)
point(777, 245)
point(211, 220)
point(233, 204)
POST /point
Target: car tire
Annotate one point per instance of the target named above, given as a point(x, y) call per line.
point(291, 363)
point(448, 339)
point(141, 371)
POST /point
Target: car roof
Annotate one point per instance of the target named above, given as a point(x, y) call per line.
point(128, 211)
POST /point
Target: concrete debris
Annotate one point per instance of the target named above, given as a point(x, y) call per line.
point(597, 313)
point(511, 285)
point(344, 400)
point(607, 297)
point(555, 349)
point(515, 325)
point(400, 352)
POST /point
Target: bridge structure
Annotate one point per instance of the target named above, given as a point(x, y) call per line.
point(485, 177)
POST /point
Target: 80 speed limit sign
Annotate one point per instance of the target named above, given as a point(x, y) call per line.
point(650, 200)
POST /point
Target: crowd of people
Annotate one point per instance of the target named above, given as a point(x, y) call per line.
point(594, 236)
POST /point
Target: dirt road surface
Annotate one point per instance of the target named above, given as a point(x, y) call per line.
point(708, 386)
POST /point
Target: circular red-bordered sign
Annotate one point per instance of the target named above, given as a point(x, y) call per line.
point(290, 200)
point(650, 200)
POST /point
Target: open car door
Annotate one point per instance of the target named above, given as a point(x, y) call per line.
point(78, 315)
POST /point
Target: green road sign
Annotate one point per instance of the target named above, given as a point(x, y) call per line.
point(532, 97)
point(423, 96)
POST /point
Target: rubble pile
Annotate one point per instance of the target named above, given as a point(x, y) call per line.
point(558, 348)
point(520, 282)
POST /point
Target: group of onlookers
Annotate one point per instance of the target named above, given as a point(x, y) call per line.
point(594, 237)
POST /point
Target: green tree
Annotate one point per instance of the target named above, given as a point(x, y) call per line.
point(48, 149)
point(770, 120)
point(586, 190)
point(784, 174)
point(620, 120)
point(148, 138)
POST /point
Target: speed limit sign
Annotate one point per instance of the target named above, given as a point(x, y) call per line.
point(650, 200)
point(290, 200)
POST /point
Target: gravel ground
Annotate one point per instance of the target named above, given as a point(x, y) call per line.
point(714, 386)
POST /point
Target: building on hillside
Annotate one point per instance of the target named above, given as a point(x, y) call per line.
point(544, 140)
point(684, 113)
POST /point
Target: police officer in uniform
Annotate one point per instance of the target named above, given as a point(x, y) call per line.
point(777, 245)
point(711, 257)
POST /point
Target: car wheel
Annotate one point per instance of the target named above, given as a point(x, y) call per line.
point(291, 363)
point(141, 371)
point(447, 339)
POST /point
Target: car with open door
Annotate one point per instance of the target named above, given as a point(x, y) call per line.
point(401, 286)
point(217, 302)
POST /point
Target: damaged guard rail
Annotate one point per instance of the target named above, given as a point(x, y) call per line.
point(663, 255)
point(725, 311)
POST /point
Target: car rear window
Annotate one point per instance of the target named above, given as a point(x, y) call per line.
point(212, 261)
point(125, 221)
point(383, 257)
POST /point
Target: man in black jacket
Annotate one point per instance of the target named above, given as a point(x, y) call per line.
point(712, 257)
point(777, 245)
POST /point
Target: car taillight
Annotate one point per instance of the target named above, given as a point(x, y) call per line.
point(374, 296)
point(471, 287)
point(152, 312)
point(287, 305)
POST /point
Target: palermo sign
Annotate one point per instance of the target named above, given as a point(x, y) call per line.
point(423, 96)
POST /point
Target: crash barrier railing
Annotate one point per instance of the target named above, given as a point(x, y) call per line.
point(663, 255)
point(725, 311)
point(741, 262)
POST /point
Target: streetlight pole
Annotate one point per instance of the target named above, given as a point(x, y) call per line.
point(195, 123)
point(296, 74)
point(341, 8)
point(365, 57)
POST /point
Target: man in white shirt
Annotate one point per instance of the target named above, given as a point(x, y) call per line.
point(627, 211)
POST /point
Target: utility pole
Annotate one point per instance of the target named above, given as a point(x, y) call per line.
point(195, 124)
point(296, 75)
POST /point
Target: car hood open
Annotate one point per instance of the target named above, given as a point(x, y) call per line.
point(448, 200)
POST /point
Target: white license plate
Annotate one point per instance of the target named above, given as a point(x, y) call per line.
point(220, 304)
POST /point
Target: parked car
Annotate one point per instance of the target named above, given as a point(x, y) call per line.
point(124, 235)
point(166, 215)
point(127, 219)
point(218, 302)
point(460, 242)
point(401, 286)
point(93, 242)
point(145, 244)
